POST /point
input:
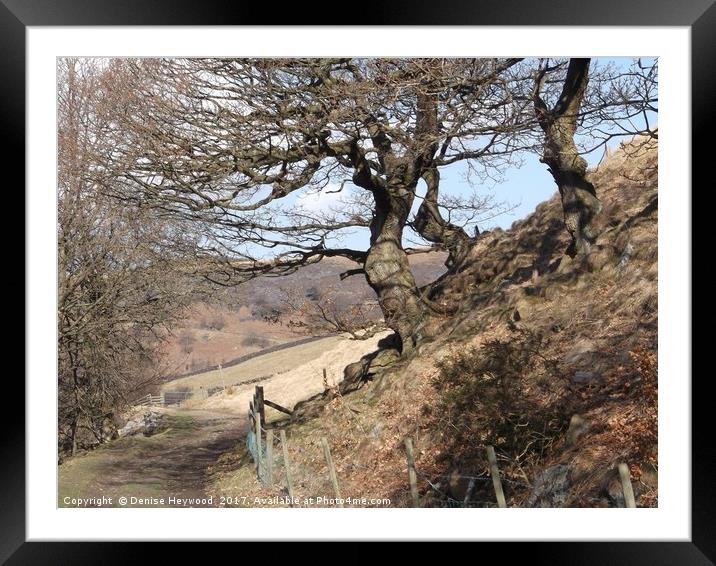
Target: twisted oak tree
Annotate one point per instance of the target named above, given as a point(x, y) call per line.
point(229, 144)
point(579, 198)
point(622, 101)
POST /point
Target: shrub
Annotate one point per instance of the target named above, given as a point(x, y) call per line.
point(485, 402)
point(213, 322)
point(313, 294)
point(186, 341)
point(255, 341)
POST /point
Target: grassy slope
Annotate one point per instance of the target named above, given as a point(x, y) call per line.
point(262, 366)
point(501, 372)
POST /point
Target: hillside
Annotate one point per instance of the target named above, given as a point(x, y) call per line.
point(254, 316)
point(266, 365)
point(550, 361)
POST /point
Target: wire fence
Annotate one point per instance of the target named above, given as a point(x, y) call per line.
point(438, 487)
point(179, 396)
point(305, 471)
point(297, 471)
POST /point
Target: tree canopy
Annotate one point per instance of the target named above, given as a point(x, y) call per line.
point(228, 143)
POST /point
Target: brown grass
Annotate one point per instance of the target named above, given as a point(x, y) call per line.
point(262, 366)
point(298, 374)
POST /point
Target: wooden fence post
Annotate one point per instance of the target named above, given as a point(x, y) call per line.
point(412, 475)
point(331, 469)
point(260, 405)
point(269, 457)
point(468, 493)
point(286, 464)
point(626, 486)
point(257, 429)
point(495, 473)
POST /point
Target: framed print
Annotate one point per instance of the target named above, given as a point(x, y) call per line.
point(396, 280)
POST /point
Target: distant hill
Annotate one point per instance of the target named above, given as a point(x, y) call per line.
point(233, 324)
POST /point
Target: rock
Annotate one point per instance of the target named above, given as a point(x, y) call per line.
point(152, 422)
point(625, 257)
point(578, 425)
point(376, 431)
point(148, 423)
point(109, 432)
point(118, 420)
point(458, 486)
point(383, 359)
point(355, 374)
point(585, 377)
point(551, 488)
point(581, 352)
point(132, 427)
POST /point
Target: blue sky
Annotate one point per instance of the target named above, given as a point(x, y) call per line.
point(521, 190)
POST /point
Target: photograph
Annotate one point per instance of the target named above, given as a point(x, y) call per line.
point(421, 277)
point(357, 282)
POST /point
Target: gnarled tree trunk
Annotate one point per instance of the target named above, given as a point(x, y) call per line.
point(430, 224)
point(579, 198)
point(387, 269)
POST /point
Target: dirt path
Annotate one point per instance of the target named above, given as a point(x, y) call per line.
point(175, 463)
point(181, 462)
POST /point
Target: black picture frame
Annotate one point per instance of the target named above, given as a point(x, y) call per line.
point(699, 15)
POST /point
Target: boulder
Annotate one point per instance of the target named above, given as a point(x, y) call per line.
point(578, 425)
point(355, 374)
point(131, 427)
point(625, 257)
point(585, 377)
point(147, 423)
point(551, 488)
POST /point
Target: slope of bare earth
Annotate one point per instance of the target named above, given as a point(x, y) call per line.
point(550, 361)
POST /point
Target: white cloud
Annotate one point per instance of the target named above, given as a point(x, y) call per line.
point(329, 199)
